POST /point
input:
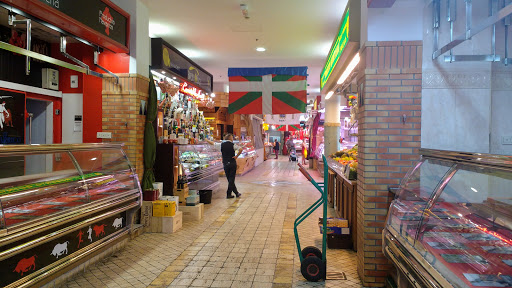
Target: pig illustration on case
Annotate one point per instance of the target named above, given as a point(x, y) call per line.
point(60, 249)
point(99, 230)
point(118, 222)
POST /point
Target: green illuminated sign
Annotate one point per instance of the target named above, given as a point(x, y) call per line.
point(336, 51)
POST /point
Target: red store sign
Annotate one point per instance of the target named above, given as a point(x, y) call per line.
point(190, 90)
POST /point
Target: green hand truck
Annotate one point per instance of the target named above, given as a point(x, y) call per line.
point(313, 264)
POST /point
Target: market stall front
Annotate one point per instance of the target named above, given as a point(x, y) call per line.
point(53, 216)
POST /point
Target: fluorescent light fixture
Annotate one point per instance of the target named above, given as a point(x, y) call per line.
point(174, 77)
point(474, 190)
point(261, 49)
point(93, 158)
point(349, 69)
point(329, 95)
point(212, 95)
point(157, 30)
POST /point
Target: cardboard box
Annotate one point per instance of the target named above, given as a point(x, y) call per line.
point(167, 225)
point(158, 208)
point(146, 213)
point(174, 199)
point(192, 213)
point(169, 208)
point(182, 194)
point(192, 200)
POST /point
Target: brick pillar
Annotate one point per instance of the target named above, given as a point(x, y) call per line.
point(121, 114)
point(391, 75)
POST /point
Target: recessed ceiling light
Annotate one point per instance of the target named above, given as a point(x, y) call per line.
point(163, 72)
point(212, 95)
point(261, 49)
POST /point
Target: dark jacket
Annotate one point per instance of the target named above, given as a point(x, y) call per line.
point(228, 151)
point(276, 146)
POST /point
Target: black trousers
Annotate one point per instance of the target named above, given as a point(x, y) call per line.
point(230, 170)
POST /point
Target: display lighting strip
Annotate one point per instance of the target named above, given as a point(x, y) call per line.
point(492, 233)
point(351, 66)
point(161, 76)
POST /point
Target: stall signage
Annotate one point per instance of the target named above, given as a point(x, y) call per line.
point(166, 57)
point(96, 15)
point(37, 258)
point(336, 50)
point(12, 117)
point(191, 91)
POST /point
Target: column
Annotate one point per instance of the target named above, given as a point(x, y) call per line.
point(121, 103)
point(332, 124)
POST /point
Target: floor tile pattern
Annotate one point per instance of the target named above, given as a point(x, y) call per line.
point(244, 242)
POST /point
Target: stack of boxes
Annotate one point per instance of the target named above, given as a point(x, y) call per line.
point(162, 216)
point(338, 233)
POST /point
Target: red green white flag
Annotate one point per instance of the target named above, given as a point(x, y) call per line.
point(272, 93)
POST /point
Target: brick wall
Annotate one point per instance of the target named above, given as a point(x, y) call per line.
point(391, 74)
point(121, 105)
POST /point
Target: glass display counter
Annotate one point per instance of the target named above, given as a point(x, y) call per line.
point(59, 203)
point(201, 165)
point(451, 222)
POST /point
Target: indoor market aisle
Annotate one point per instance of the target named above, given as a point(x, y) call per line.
point(244, 242)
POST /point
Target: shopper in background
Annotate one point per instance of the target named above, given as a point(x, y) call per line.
point(227, 147)
point(276, 148)
point(304, 152)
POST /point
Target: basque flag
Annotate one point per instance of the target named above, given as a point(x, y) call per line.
point(274, 90)
point(288, 127)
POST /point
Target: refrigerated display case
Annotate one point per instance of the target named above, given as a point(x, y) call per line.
point(59, 204)
point(451, 222)
point(201, 165)
point(247, 160)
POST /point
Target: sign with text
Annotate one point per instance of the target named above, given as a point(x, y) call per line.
point(96, 15)
point(344, 46)
point(12, 114)
point(168, 58)
point(337, 48)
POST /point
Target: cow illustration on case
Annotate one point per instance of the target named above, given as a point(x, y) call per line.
point(99, 230)
point(118, 223)
point(60, 249)
point(25, 265)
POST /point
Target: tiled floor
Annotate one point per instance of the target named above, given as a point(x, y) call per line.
point(245, 242)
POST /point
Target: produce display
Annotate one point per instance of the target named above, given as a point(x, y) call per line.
point(347, 158)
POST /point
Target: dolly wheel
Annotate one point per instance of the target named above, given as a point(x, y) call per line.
point(313, 269)
point(311, 251)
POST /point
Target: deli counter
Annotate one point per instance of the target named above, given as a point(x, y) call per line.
point(201, 165)
point(59, 204)
point(450, 224)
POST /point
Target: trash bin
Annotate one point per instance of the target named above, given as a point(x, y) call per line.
point(205, 196)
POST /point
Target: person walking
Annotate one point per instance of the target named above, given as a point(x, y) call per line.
point(304, 152)
point(227, 148)
point(276, 148)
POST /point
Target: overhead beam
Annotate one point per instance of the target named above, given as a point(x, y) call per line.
point(380, 3)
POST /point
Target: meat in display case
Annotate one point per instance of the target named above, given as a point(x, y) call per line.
point(450, 224)
point(59, 204)
point(201, 165)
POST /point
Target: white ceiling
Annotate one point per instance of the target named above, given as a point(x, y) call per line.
point(216, 35)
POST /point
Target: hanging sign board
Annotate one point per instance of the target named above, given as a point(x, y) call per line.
point(167, 58)
point(98, 21)
point(345, 44)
